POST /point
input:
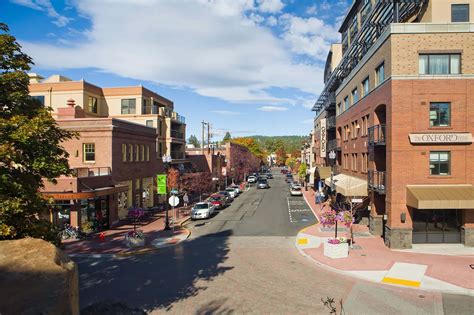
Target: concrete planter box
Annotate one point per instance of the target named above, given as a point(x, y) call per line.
point(134, 242)
point(336, 250)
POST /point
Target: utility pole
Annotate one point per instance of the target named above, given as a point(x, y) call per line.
point(202, 136)
point(208, 138)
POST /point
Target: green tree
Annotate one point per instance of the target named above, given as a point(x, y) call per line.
point(290, 162)
point(227, 137)
point(194, 141)
point(30, 149)
point(302, 171)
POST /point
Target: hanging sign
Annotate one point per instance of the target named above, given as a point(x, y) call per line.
point(161, 184)
point(323, 138)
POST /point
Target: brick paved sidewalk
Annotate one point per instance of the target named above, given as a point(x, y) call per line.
point(113, 243)
point(372, 260)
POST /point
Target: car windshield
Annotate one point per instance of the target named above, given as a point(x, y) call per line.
point(225, 193)
point(230, 189)
point(297, 188)
point(201, 206)
point(262, 181)
point(214, 198)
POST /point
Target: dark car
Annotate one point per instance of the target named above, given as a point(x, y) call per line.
point(228, 197)
point(269, 175)
point(289, 178)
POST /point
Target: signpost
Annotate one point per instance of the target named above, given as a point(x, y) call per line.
point(173, 201)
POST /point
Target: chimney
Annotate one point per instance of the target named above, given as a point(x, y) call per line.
point(69, 111)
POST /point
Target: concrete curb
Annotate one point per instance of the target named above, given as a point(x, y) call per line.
point(376, 274)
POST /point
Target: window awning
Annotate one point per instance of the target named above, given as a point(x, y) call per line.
point(98, 192)
point(324, 172)
point(440, 196)
point(349, 186)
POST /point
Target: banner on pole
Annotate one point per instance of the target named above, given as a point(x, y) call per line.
point(161, 184)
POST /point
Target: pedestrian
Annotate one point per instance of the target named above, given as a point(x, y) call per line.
point(318, 197)
point(185, 199)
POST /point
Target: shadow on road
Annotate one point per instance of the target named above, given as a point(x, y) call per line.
point(156, 280)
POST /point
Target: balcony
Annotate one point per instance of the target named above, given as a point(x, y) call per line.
point(178, 117)
point(334, 145)
point(377, 135)
point(177, 155)
point(165, 112)
point(149, 110)
point(331, 122)
point(177, 134)
point(83, 172)
point(376, 181)
point(365, 11)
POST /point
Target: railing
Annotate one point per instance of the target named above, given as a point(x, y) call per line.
point(177, 155)
point(147, 110)
point(331, 122)
point(334, 145)
point(365, 11)
point(377, 135)
point(82, 172)
point(177, 134)
point(376, 181)
point(178, 117)
point(165, 112)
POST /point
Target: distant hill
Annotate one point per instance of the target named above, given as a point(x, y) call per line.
point(290, 143)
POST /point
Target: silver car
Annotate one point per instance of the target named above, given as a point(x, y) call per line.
point(202, 210)
point(262, 184)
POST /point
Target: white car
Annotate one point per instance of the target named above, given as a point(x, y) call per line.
point(202, 210)
point(296, 191)
point(236, 188)
point(252, 179)
point(232, 192)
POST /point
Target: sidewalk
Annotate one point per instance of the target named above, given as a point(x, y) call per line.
point(371, 260)
point(113, 243)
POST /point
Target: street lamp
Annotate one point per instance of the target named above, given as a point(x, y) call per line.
point(166, 162)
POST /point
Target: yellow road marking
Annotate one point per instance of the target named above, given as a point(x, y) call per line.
point(302, 241)
point(408, 283)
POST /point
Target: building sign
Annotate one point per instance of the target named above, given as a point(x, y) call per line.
point(323, 138)
point(449, 137)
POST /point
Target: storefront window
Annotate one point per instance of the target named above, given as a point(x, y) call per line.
point(94, 214)
point(440, 114)
point(436, 226)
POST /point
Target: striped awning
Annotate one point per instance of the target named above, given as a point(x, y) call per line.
point(440, 196)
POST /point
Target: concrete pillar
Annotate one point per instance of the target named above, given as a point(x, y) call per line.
point(75, 215)
point(467, 229)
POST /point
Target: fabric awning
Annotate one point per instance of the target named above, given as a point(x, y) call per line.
point(324, 172)
point(348, 186)
point(440, 196)
point(98, 192)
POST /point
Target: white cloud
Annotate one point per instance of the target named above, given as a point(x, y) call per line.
point(272, 109)
point(272, 21)
point(209, 46)
point(45, 6)
point(225, 112)
point(310, 36)
point(270, 6)
point(312, 10)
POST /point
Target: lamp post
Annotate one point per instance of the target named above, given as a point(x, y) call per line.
point(166, 162)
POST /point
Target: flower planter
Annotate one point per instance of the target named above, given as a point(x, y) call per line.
point(134, 242)
point(340, 250)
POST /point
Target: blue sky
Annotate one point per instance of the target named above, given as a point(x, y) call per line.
point(246, 66)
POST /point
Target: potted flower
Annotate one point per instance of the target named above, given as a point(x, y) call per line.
point(135, 237)
point(336, 247)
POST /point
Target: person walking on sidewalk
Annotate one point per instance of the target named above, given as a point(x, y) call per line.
point(185, 199)
point(318, 197)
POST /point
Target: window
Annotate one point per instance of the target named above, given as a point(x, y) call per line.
point(160, 129)
point(92, 105)
point(355, 96)
point(147, 153)
point(149, 123)
point(128, 106)
point(130, 153)
point(137, 153)
point(440, 114)
point(339, 109)
point(380, 74)
point(439, 64)
point(142, 153)
point(459, 12)
point(346, 103)
point(440, 163)
point(124, 153)
point(365, 87)
point(363, 126)
point(356, 129)
point(366, 128)
point(40, 98)
point(89, 152)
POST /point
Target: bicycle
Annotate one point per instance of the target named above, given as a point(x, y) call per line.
point(69, 232)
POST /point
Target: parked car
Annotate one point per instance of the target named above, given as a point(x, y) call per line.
point(289, 178)
point(252, 179)
point(218, 200)
point(262, 184)
point(202, 210)
point(283, 171)
point(236, 188)
point(232, 192)
point(228, 197)
point(269, 175)
point(296, 190)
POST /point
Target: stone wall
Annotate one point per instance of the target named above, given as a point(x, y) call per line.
point(37, 278)
point(398, 238)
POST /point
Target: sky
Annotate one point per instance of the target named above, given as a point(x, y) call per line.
point(246, 66)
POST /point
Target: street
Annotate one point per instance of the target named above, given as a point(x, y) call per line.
point(243, 260)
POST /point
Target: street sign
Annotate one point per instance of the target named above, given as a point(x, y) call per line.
point(332, 155)
point(357, 200)
point(161, 184)
point(173, 201)
point(174, 192)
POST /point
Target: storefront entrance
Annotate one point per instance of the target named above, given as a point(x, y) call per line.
point(95, 214)
point(436, 226)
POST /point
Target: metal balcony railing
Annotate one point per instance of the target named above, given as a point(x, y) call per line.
point(377, 135)
point(165, 112)
point(177, 155)
point(331, 122)
point(147, 110)
point(376, 181)
point(82, 172)
point(177, 134)
point(178, 117)
point(331, 145)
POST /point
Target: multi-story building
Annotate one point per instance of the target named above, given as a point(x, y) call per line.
point(114, 165)
point(403, 91)
point(135, 104)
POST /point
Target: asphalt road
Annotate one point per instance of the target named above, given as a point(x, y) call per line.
point(243, 260)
